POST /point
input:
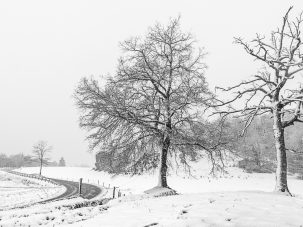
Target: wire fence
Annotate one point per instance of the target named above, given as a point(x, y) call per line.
point(110, 190)
point(33, 176)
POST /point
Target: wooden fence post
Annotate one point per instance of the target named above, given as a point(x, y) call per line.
point(80, 186)
point(114, 190)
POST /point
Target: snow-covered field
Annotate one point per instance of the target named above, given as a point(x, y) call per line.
point(50, 214)
point(235, 180)
point(204, 209)
point(18, 191)
point(234, 199)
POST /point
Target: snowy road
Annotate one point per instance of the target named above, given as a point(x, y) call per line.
point(89, 191)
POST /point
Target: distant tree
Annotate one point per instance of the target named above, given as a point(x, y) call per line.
point(4, 160)
point(41, 150)
point(28, 160)
point(17, 160)
point(256, 146)
point(62, 162)
point(270, 91)
point(152, 108)
point(294, 143)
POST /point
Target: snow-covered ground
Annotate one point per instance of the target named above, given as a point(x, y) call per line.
point(18, 191)
point(49, 214)
point(233, 199)
point(235, 180)
point(205, 209)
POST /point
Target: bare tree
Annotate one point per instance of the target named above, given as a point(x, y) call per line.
point(152, 103)
point(41, 151)
point(270, 91)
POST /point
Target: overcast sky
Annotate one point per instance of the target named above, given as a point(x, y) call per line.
point(47, 46)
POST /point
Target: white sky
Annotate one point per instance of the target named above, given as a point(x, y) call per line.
point(47, 46)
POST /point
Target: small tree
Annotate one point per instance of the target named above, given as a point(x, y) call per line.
point(41, 151)
point(62, 162)
point(270, 91)
point(152, 107)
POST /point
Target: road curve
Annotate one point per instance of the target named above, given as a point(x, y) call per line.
point(88, 191)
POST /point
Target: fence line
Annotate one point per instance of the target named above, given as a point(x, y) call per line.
point(34, 176)
point(113, 191)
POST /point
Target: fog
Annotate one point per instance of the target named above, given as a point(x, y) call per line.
point(47, 46)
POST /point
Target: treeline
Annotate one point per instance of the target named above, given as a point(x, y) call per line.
point(21, 160)
point(256, 148)
point(254, 151)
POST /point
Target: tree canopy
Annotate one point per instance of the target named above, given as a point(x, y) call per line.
point(153, 106)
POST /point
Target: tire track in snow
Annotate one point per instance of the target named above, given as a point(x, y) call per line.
point(89, 191)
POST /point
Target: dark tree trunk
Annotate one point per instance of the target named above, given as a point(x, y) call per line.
point(40, 167)
point(281, 171)
point(163, 163)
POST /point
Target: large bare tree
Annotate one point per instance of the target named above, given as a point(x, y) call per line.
point(275, 89)
point(154, 102)
point(41, 150)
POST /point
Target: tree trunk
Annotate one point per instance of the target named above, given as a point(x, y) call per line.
point(40, 167)
point(163, 163)
point(281, 171)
